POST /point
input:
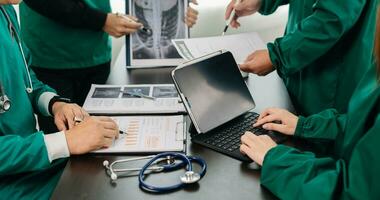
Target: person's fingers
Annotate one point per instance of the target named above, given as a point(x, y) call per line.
point(267, 119)
point(234, 23)
point(276, 127)
point(69, 118)
point(109, 125)
point(108, 133)
point(244, 67)
point(60, 124)
point(133, 18)
point(229, 10)
point(246, 150)
point(131, 25)
point(104, 119)
point(191, 12)
point(266, 112)
point(190, 22)
point(247, 139)
point(107, 142)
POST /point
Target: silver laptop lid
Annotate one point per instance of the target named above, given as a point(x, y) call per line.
point(214, 90)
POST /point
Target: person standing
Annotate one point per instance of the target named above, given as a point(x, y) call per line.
point(323, 54)
point(70, 44)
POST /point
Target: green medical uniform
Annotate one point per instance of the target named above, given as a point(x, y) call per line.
point(351, 171)
point(324, 52)
point(25, 169)
point(56, 46)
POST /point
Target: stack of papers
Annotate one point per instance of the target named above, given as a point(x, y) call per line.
point(133, 99)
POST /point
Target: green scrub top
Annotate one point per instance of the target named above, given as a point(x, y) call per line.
point(351, 171)
point(25, 170)
point(57, 46)
point(324, 52)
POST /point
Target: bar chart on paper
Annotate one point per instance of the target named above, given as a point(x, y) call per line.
point(145, 134)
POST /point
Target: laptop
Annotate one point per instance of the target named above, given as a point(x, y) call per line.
point(219, 103)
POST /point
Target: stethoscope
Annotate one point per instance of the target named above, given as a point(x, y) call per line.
point(5, 103)
point(163, 162)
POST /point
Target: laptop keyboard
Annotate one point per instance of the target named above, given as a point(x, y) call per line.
point(228, 138)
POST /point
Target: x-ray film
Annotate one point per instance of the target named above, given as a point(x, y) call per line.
point(164, 20)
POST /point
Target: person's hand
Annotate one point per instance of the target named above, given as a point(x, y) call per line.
point(91, 134)
point(258, 63)
point(279, 120)
point(64, 114)
point(256, 147)
point(191, 15)
point(118, 25)
point(243, 8)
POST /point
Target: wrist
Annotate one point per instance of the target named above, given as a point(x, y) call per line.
point(53, 103)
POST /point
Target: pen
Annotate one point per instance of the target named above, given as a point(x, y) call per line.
point(78, 120)
point(232, 16)
point(140, 95)
point(146, 30)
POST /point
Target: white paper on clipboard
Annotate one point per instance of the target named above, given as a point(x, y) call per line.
point(149, 134)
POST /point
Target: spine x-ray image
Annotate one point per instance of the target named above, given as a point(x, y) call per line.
point(165, 21)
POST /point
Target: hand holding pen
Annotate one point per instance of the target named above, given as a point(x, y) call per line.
point(240, 8)
point(118, 25)
point(79, 120)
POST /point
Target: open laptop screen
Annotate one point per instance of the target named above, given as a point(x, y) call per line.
point(215, 91)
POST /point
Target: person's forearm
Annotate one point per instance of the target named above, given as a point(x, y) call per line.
point(74, 13)
point(326, 125)
point(314, 36)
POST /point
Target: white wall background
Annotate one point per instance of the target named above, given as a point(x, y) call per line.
point(211, 23)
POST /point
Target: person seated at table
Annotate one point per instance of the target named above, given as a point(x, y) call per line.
point(31, 161)
point(351, 171)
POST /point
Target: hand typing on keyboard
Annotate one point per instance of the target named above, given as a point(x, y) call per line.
point(279, 120)
point(256, 147)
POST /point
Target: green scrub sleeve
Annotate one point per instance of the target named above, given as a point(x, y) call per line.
point(19, 154)
point(291, 174)
point(38, 87)
point(270, 6)
point(314, 35)
point(325, 125)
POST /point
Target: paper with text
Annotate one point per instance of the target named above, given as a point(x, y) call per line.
point(145, 134)
point(240, 45)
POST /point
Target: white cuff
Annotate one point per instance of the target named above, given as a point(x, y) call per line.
point(43, 102)
point(56, 146)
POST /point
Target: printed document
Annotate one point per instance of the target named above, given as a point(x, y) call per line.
point(147, 134)
point(133, 99)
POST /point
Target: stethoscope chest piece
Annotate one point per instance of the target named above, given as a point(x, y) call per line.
point(5, 103)
point(190, 177)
